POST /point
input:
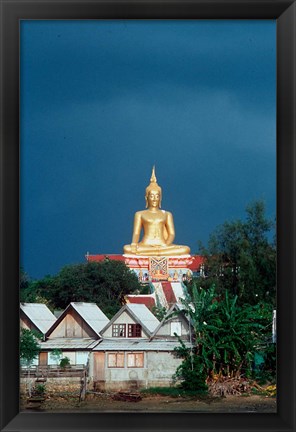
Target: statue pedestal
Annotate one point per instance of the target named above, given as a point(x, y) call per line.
point(171, 268)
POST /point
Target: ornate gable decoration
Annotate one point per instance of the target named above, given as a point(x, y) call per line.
point(159, 268)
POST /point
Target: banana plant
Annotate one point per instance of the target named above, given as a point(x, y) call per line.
point(225, 335)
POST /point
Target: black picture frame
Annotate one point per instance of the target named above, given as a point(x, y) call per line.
point(284, 11)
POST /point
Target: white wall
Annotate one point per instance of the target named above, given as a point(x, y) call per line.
point(159, 367)
point(81, 357)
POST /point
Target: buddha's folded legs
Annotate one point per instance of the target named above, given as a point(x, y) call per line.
point(157, 250)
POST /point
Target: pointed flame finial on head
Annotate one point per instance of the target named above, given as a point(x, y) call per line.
point(153, 177)
point(153, 186)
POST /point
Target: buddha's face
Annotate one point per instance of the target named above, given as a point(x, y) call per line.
point(153, 198)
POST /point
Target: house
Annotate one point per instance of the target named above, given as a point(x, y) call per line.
point(79, 320)
point(128, 357)
point(74, 333)
point(36, 316)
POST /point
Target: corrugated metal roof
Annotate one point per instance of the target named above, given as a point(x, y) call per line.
point(144, 315)
point(39, 314)
point(69, 343)
point(137, 345)
point(140, 314)
point(92, 314)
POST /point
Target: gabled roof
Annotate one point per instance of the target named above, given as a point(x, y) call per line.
point(39, 315)
point(175, 310)
point(69, 343)
point(146, 317)
point(89, 312)
point(141, 315)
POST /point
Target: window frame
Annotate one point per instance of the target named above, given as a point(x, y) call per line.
point(133, 330)
point(135, 353)
point(116, 354)
point(116, 330)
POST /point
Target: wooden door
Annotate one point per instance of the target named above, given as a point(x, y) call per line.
point(99, 366)
point(43, 356)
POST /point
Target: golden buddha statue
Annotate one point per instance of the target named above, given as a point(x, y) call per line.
point(158, 227)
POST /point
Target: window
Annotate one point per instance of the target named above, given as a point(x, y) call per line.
point(116, 360)
point(119, 330)
point(176, 328)
point(134, 330)
point(135, 360)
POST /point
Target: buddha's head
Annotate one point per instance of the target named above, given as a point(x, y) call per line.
point(153, 192)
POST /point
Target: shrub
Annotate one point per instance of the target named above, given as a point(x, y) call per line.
point(192, 374)
point(40, 389)
point(65, 362)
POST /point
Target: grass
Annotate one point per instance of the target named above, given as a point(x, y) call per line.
point(172, 392)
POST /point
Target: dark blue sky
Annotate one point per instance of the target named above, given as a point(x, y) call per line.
point(102, 101)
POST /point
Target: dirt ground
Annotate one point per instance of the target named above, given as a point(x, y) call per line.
point(105, 403)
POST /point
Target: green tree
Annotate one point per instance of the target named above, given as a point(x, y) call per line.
point(24, 279)
point(29, 346)
point(191, 372)
point(25, 282)
point(105, 283)
point(29, 350)
point(241, 258)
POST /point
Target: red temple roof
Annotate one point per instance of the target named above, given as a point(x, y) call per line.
point(169, 292)
point(147, 300)
point(197, 261)
point(99, 258)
